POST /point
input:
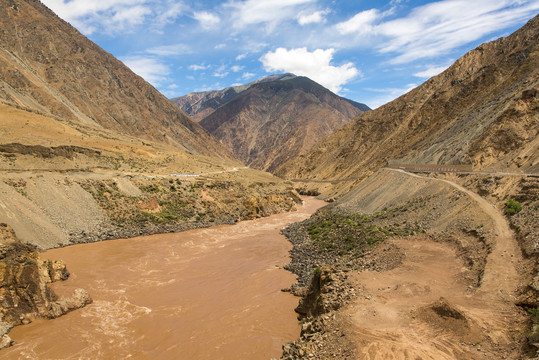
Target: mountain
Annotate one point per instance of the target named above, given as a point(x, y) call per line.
point(273, 121)
point(198, 105)
point(89, 150)
point(48, 67)
point(480, 111)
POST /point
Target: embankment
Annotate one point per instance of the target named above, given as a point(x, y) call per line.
point(57, 209)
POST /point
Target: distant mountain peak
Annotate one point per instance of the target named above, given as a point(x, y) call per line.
point(266, 122)
point(199, 105)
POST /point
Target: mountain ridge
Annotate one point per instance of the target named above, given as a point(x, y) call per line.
point(272, 121)
point(199, 105)
point(73, 78)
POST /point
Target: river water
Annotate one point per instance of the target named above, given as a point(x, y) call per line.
point(201, 294)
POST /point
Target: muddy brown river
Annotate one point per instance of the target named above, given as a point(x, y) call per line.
point(201, 294)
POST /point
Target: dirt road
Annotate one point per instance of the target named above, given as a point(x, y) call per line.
point(426, 309)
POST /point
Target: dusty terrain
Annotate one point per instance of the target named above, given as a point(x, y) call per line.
point(449, 292)
point(63, 182)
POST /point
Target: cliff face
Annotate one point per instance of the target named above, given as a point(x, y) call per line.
point(274, 121)
point(47, 66)
point(23, 285)
point(482, 110)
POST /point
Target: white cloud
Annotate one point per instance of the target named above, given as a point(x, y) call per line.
point(151, 69)
point(269, 12)
point(219, 46)
point(115, 15)
point(430, 71)
point(435, 29)
point(173, 11)
point(221, 72)
point(360, 23)
point(169, 50)
point(316, 17)
point(315, 65)
point(247, 76)
point(237, 68)
point(196, 67)
point(207, 20)
point(241, 57)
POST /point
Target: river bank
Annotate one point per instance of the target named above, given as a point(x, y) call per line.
point(416, 265)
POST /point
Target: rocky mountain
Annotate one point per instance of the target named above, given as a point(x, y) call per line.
point(481, 111)
point(198, 105)
point(48, 67)
point(454, 251)
point(273, 121)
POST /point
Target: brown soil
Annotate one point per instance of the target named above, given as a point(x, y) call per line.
point(447, 299)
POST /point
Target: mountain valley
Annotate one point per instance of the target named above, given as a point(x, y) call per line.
point(427, 248)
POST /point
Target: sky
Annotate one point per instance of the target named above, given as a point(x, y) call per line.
point(365, 50)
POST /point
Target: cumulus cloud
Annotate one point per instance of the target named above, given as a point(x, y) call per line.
point(151, 69)
point(269, 12)
point(206, 19)
point(316, 17)
point(315, 65)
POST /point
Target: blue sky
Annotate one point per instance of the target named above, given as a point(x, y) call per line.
point(368, 51)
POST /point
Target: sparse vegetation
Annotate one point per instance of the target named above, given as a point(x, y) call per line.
point(352, 234)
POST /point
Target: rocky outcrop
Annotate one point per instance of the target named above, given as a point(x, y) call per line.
point(24, 293)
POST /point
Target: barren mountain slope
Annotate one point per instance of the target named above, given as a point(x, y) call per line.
point(478, 111)
point(271, 122)
point(47, 66)
point(198, 105)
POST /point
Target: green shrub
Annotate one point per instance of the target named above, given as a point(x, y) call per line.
point(512, 207)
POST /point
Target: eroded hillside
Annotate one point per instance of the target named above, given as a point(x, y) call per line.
point(483, 110)
point(199, 105)
point(48, 67)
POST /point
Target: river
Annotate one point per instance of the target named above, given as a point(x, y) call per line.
point(201, 294)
